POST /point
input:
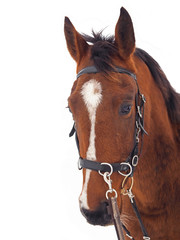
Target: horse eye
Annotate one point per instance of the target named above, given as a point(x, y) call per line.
point(125, 109)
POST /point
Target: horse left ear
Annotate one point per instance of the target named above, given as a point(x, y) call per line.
point(77, 46)
point(124, 35)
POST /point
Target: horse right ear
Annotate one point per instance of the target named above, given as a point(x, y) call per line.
point(76, 45)
point(124, 35)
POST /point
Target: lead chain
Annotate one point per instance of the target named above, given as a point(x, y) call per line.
point(108, 180)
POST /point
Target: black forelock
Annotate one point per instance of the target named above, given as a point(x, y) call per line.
point(102, 51)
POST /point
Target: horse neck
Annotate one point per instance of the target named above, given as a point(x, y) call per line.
point(157, 172)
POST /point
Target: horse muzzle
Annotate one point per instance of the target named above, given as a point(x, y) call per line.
point(100, 216)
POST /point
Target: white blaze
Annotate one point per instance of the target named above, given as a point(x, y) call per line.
point(92, 96)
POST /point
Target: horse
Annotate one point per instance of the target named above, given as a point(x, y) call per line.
point(127, 124)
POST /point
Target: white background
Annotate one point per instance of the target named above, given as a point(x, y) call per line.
point(39, 180)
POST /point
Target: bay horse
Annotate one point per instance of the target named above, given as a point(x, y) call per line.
point(125, 112)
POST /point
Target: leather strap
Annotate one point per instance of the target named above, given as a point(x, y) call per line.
point(134, 206)
point(97, 166)
point(93, 69)
point(114, 210)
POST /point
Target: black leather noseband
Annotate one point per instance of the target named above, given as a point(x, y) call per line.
point(132, 160)
point(97, 166)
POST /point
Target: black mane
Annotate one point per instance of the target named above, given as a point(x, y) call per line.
point(104, 49)
point(171, 97)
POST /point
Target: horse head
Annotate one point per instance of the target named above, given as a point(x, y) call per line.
point(107, 104)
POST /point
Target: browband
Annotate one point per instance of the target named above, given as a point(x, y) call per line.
point(93, 69)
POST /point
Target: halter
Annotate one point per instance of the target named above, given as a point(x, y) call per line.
point(124, 168)
point(133, 158)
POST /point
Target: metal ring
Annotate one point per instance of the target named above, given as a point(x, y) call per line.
point(109, 173)
point(111, 191)
point(125, 192)
point(79, 166)
point(130, 167)
point(137, 159)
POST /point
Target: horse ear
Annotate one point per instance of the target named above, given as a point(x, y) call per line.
point(124, 34)
point(76, 45)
